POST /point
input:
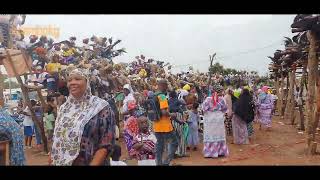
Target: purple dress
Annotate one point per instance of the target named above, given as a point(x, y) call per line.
point(265, 106)
point(193, 136)
point(214, 136)
point(240, 131)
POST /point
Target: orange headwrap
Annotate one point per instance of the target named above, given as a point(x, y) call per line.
point(40, 50)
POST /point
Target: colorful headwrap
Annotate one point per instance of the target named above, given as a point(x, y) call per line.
point(145, 93)
point(82, 72)
point(259, 91)
point(236, 93)
point(143, 73)
point(40, 50)
point(186, 87)
point(265, 89)
point(248, 88)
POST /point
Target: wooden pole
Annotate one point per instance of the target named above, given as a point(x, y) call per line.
point(288, 97)
point(300, 103)
point(285, 97)
point(28, 102)
point(292, 99)
point(281, 96)
point(317, 111)
point(277, 86)
point(43, 105)
point(312, 79)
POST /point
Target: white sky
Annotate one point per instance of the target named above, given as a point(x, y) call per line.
point(182, 39)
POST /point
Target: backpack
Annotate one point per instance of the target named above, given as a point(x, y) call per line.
point(162, 100)
point(151, 108)
point(154, 104)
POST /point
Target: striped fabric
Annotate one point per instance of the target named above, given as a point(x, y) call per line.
point(148, 150)
point(179, 128)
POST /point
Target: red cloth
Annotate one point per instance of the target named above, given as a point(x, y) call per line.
point(215, 99)
point(131, 126)
point(131, 105)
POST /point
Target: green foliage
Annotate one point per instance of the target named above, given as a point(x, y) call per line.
point(218, 68)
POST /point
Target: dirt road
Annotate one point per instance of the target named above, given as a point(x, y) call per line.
point(281, 146)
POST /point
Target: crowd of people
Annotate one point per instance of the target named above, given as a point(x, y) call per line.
point(89, 97)
point(161, 111)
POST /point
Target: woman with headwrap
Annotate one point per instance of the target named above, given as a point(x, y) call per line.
point(265, 106)
point(228, 117)
point(255, 100)
point(129, 96)
point(85, 126)
point(131, 128)
point(243, 114)
point(186, 96)
point(214, 137)
point(252, 113)
point(178, 107)
point(182, 94)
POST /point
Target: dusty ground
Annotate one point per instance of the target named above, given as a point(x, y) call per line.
point(281, 146)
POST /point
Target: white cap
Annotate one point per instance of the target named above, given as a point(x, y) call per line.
point(126, 86)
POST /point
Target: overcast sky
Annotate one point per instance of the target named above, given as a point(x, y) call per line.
point(240, 41)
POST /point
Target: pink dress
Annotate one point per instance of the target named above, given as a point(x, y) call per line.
point(214, 136)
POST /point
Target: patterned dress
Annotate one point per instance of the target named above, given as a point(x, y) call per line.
point(214, 130)
point(193, 135)
point(177, 106)
point(130, 131)
point(265, 106)
point(250, 129)
point(148, 150)
point(12, 130)
point(240, 131)
point(228, 117)
point(181, 132)
point(98, 132)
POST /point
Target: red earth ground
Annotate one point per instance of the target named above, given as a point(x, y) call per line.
point(283, 145)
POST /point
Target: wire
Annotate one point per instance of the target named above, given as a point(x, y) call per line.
point(234, 54)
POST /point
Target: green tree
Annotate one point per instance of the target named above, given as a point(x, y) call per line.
point(216, 68)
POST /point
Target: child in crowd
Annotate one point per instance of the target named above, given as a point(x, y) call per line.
point(193, 136)
point(38, 111)
point(49, 117)
point(144, 142)
point(28, 127)
point(53, 69)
